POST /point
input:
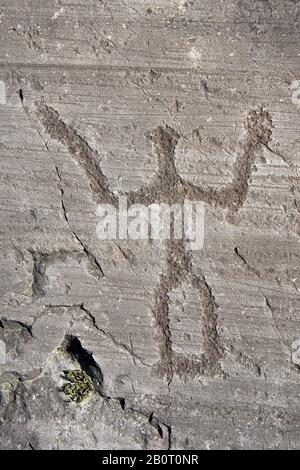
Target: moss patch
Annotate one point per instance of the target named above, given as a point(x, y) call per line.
point(80, 386)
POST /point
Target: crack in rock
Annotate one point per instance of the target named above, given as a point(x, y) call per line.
point(245, 262)
point(91, 318)
point(15, 325)
point(92, 258)
point(108, 335)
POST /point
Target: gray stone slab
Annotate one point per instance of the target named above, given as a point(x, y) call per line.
point(161, 101)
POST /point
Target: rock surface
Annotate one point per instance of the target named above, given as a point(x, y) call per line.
point(161, 101)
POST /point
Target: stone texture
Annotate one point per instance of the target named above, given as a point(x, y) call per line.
point(161, 101)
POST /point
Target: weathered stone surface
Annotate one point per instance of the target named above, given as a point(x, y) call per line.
point(160, 101)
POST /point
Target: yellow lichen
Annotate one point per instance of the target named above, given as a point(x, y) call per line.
point(80, 386)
